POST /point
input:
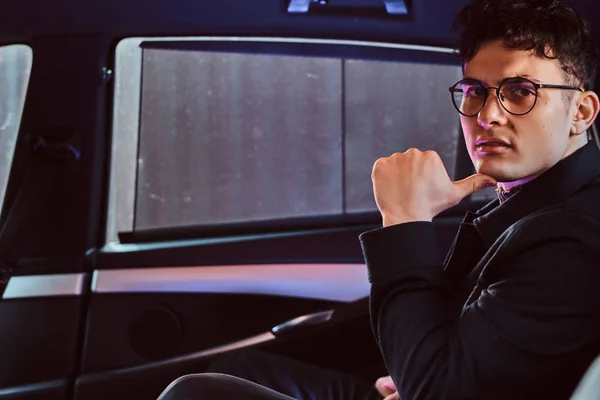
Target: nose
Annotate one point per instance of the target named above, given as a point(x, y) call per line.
point(492, 113)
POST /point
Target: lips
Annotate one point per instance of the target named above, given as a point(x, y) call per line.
point(491, 142)
point(491, 147)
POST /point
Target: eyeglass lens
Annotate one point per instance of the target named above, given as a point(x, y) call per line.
point(517, 96)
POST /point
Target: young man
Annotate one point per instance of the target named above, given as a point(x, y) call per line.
point(514, 311)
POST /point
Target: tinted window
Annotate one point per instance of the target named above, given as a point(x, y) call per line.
point(392, 107)
point(231, 137)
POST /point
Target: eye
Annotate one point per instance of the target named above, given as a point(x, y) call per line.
point(474, 91)
point(518, 90)
point(522, 91)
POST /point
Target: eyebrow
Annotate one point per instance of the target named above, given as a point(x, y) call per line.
point(531, 78)
point(525, 76)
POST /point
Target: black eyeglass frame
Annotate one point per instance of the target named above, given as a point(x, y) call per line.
point(537, 86)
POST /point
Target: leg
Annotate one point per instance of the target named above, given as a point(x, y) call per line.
point(217, 387)
point(293, 378)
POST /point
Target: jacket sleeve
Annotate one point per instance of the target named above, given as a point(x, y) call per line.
point(533, 316)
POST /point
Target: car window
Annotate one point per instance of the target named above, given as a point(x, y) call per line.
point(391, 107)
point(228, 137)
point(238, 137)
point(15, 69)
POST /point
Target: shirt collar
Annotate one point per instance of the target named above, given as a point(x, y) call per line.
point(503, 196)
point(553, 186)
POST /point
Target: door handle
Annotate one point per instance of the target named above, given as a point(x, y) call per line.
point(301, 322)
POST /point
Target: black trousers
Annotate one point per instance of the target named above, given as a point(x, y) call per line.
point(257, 375)
point(209, 386)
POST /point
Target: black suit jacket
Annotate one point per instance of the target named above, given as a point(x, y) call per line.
point(515, 311)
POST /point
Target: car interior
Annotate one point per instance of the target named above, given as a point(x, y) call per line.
point(187, 178)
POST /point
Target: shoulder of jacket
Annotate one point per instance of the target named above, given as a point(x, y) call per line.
point(586, 200)
point(565, 219)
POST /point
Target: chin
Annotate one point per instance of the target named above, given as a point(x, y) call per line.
point(501, 173)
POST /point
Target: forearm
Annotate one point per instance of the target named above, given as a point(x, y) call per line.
point(412, 310)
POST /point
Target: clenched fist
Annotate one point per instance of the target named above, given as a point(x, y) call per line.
point(414, 186)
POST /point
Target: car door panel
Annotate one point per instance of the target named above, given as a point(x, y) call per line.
point(322, 344)
point(128, 330)
point(39, 343)
point(150, 322)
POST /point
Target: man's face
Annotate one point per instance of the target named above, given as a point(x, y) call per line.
point(536, 141)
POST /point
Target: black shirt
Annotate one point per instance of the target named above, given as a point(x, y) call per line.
point(515, 310)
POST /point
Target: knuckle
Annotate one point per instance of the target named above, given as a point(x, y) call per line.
point(433, 155)
point(395, 157)
point(378, 164)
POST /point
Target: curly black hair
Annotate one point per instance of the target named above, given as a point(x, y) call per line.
point(551, 28)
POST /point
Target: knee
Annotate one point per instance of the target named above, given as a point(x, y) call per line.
point(236, 363)
point(193, 387)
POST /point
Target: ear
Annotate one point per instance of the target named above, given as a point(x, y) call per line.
point(586, 113)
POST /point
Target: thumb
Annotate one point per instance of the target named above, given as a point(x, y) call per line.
point(385, 386)
point(472, 184)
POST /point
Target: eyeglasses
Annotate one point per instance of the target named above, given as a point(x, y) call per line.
point(518, 96)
